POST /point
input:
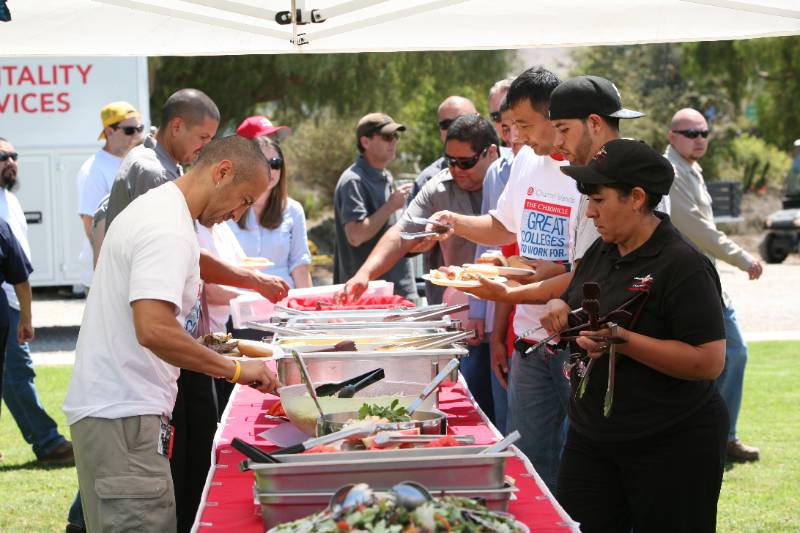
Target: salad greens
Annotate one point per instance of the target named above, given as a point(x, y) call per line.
point(450, 513)
point(393, 413)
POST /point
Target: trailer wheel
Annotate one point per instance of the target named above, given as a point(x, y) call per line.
point(771, 251)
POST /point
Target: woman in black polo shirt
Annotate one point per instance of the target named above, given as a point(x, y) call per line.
point(655, 462)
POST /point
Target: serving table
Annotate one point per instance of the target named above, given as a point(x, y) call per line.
point(228, 505)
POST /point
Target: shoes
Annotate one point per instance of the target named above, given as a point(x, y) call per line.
point(739, 452)
point(61, 456)
point(74, 528)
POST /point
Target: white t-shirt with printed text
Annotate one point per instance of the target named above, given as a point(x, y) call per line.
point(540, 205)
point(149, 253)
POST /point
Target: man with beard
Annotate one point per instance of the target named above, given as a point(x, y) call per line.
point(134, 338)
point(19, 391)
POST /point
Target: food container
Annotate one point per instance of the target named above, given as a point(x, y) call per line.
point(458, 467)
point(418, 366)
point(428, 422)
point(280, 508)
point(303, 413)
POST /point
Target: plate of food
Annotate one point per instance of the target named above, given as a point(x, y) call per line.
point(493, 263)
point(457, 277)
point(255, 263)
point(225, 344)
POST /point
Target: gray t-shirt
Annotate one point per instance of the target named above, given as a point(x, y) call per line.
point(439, 194)
point(360, 192)
point(432, 259)
point(145, 167)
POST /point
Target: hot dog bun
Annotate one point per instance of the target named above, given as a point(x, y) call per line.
point(254, 348)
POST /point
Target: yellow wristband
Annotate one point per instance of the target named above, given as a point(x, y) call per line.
point(237, 372)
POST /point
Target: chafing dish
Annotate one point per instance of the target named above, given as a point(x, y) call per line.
point(428, 422)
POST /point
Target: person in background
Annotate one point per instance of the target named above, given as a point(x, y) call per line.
point(366, 204)
point(694, 218)
point(258, 126)
point(122, 130)
point(275, 226)
point(497, 94)
point(19, 391)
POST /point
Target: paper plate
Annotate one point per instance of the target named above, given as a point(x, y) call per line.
point(459, 284)
point(503, 270)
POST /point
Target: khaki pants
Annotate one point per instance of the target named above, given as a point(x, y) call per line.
point(125, 484)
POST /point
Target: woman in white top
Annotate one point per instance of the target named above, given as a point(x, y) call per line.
point(275, 226)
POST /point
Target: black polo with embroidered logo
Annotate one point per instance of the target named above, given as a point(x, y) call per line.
point(683, 302)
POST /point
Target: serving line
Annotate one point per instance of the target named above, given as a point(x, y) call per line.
point(227, 504)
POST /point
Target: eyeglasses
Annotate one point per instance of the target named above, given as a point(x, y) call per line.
point(5, 156)
point(465, 163)
point(445, 124)
point(389, 137)
point(693, 134)
point(495, 116)
point(128, 130)
point(275, 163)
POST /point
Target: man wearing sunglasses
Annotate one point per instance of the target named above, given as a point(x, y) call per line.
point(122, 130)
point(366, 203)
point(694, 218)
point(448, 111)
point(496, 96)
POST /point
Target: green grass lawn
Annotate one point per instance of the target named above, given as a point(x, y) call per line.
point(763, 496)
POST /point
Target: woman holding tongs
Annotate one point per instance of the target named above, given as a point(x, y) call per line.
point(647, 429)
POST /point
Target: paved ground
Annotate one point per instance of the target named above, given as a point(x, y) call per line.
point(767, 309)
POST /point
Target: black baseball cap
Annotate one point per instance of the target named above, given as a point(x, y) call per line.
point(585, 95)
point(627, 161)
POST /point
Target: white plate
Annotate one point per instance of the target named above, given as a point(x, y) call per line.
point(459, 284)
point(505, 270)
point(262, 262)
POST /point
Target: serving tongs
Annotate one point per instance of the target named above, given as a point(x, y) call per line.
point(426, 314)
point(348, 387)
point(590, 304)
point(427, 343)
point(383, 438)
point(279, 330)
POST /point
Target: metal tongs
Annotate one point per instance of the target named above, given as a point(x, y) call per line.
point(348, 387)
point(429, 342)
point(382, 438)
point(426, 314)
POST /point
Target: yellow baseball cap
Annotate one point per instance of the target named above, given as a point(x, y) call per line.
point(115, 112)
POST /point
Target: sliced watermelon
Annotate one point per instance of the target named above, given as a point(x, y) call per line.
point(444, 442)
point(276, 409)
point(322, 449)
point(370, 444)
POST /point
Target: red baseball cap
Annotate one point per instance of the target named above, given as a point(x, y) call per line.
point(258, 126)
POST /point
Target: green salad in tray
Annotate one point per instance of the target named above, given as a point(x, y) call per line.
point(453, 514)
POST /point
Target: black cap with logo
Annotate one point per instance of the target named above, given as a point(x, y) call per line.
point(626, 161)
point(586, 95)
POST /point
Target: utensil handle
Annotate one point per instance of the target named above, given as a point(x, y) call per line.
point(500, 446)
point(441, 376)
point(252, 453)
point(373, 377)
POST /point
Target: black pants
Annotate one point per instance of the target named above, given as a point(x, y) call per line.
point(195, 421)
point(667, 482)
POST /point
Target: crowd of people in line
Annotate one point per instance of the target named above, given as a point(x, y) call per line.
point(546, 178)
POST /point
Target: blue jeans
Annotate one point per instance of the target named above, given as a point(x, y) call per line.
point(477, 371)
point(75, 516)
point(731, 381)
point(500, 399)
point(538, 395)
point(19, 392)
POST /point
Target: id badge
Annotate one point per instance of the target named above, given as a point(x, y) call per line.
point(166, 436)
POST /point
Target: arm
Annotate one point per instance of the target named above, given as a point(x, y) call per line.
point(302, 277)
point(25, 327)
point(158, 331)
point(390, 249)
point(87, 226)
point(214, 270)
point(299, 254)
point(360, 231)
point(483, 229)
point(534, 293)
point(497, 343)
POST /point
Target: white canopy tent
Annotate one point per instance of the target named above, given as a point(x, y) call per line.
point(222, 27)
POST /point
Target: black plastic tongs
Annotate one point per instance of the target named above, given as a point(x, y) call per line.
point(349, 387)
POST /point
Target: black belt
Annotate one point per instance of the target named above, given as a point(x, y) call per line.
point(522, 345)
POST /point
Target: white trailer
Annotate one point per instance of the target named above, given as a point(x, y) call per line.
point(50, 112)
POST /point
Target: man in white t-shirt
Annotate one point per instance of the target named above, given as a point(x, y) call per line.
point(133, 338)
point(19, 390)
point(122, 130)
point(538, 210)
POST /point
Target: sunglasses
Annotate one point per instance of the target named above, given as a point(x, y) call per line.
point(495, 116)
point(693, 134)
point(445, 124)
point(129, 130)
point(389, 137)
point(5, 156)
point(275, 163)
point(465, 163)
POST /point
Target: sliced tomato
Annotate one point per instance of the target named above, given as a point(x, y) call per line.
point(322, 449)
point(444, 442)
point(276, 409)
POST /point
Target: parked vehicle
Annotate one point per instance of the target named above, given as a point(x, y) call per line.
point(783, 227)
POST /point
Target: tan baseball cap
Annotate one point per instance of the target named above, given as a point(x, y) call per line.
point(377, 123)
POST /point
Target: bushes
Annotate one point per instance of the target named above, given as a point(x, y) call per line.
point(755, 163)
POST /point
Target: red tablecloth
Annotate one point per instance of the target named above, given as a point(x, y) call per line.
point(228, 499)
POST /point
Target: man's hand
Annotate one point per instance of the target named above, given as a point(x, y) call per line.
point(353, 289)
point(257, 374)
point(444, 217)
point(24, 330)
point(555, 317)
point(755, 270)
point(478, 325)
point(546, 270)
point(273, 288)
point(397, 200)
point(499, 358)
